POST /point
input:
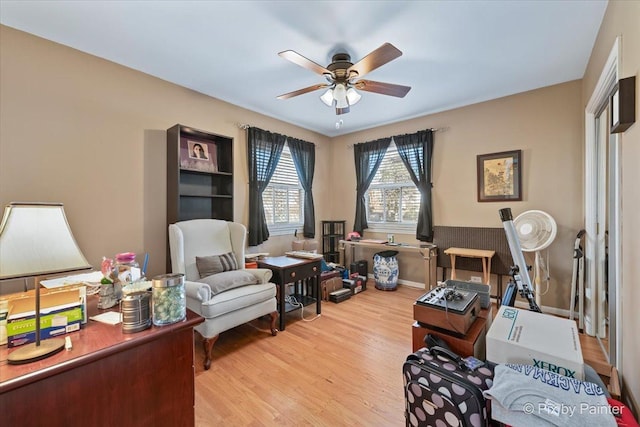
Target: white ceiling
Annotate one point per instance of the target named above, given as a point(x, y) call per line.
point(455, 53)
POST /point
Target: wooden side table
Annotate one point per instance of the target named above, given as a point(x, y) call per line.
point(303, 273)
point(483, 254)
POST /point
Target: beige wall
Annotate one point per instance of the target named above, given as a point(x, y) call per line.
point(89, 133)
point(621, 19)
point(546, 124)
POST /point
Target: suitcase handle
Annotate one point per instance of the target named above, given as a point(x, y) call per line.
point(435, 351)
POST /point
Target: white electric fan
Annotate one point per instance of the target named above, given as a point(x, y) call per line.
point(536, 230)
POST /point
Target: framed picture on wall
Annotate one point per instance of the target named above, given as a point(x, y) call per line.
point(500, 176)
point(198, 155)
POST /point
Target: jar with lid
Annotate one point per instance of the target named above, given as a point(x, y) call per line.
point(135, 308)
point(127, 268)
point(169, 299)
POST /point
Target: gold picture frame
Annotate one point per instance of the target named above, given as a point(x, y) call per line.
point(500, 176)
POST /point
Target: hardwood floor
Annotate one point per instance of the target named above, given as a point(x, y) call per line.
point(341, 369)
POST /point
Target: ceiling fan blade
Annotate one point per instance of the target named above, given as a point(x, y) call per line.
point(302, 91)
point(300, 60)
point(383, 88)
point(385, 53)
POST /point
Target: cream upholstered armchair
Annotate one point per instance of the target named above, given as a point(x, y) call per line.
point(210, 253)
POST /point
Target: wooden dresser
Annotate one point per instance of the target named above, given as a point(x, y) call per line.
point(107, 378)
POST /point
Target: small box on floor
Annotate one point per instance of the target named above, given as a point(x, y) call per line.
point(355, 284)
point(340, 295)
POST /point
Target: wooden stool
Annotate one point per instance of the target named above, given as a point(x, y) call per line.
point(483, 254)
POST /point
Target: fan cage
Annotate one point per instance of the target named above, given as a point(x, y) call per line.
point(536, 230)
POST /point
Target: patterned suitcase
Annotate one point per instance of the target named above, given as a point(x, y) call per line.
point(440, 390)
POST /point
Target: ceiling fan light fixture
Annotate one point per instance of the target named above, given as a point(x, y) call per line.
point(353, 96)
point(327, 98)
point(340, 95)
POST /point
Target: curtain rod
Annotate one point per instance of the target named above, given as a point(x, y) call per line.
point(245, 126)
point(442, 129)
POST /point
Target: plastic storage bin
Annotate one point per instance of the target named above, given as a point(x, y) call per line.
point(385, 270)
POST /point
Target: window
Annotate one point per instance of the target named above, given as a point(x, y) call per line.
point(392, 198)
point(284, 197)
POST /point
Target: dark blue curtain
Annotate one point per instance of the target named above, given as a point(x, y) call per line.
point(263, 154)
point(416, 150)
point(304, 158)
point(368, 157)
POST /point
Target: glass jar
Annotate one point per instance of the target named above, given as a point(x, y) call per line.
point(127, 268)
point(169, 299)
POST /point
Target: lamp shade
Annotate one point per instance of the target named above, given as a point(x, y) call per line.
point(353, 96)
point(35, 239)
point(327, 98)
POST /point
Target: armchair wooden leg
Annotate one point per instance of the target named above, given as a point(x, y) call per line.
point(274, 321)
point(208, 343)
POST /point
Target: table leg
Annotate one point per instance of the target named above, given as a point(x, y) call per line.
point(489, 271)
point(316, 284)
point(484, 270)
point(353, 256)
point(281, 307)
point(427, 270)
point(453, 267)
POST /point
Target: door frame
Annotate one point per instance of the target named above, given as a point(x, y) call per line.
point(593, 323)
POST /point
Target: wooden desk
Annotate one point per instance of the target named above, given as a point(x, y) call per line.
point(107, 378)
point(303, 273)
point(485, 255)
point(428, 253)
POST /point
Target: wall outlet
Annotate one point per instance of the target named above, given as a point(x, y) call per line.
point(476, 279)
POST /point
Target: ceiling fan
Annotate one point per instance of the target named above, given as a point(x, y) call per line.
point(344, 77)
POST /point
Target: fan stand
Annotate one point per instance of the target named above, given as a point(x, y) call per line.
point(538, 281)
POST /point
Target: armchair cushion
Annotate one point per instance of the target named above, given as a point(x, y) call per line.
point(236, 300)
point(224, 281)
point(213, 264)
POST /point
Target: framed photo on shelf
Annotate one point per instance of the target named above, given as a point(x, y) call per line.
point(198, 155)
point(500, 176)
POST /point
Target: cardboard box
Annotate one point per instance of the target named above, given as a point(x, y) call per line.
point(24, 303)
point(541, 340)
point(330, 285)
point(53, 322)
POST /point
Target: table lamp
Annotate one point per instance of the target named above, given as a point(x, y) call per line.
point(35, 240)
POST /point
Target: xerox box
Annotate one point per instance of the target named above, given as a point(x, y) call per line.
point(530, 338)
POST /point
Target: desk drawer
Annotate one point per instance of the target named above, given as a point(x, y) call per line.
point(300, 272)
